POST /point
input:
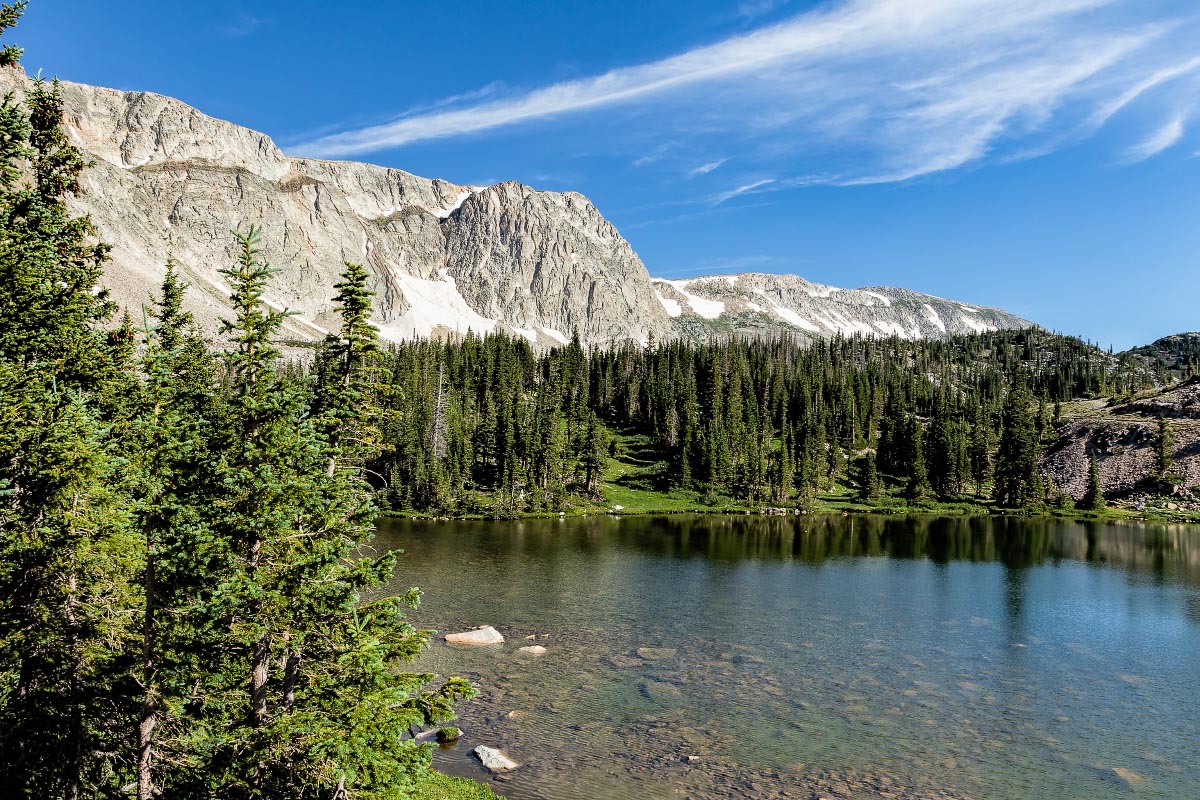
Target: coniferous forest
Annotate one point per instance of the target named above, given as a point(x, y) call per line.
point(488, 426)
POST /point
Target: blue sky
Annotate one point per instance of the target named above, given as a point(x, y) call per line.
point(1037, 155)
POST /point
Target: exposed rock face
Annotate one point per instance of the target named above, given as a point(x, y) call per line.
point(445, 258)
point(547, 260)
point(751, 303)
point(1123, 439)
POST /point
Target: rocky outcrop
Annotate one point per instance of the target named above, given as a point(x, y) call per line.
point(755, 303)
point(445, 258)
point(1123, 439)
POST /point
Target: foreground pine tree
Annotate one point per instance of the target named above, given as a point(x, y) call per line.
point(1093, 495)
point(65, 549)
point(307, 694)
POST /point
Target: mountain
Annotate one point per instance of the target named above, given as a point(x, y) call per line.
point(446, 258)
point(757, 303)
point(1175, 356)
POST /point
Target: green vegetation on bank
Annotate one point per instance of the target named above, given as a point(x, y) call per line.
point(436, 786)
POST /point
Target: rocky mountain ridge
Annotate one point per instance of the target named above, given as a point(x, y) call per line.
point(167, 180)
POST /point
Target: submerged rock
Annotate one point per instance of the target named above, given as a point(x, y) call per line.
point(656, 653)
point(1124, 777)
point(484, 635)
point(623, 662)
point(494, 760)
point(534, 650)
point(660, 690)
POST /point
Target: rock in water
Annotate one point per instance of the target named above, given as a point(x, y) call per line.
point(494, 760)
point(656, 653)
point(534, 650)
point(1126, 778)
point(450, 734)
point(485, 635)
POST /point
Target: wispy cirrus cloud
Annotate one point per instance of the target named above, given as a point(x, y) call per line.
point(706, 168)
point(1162, 138)
point(866, 91)
point(245, 24)
point(754, 187)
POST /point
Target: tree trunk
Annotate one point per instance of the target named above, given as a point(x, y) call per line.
point(145, 777)
point(291, 675)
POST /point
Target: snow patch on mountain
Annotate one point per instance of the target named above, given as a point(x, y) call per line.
point(887, 301)
point(432, 306)
point(787, 315)
point(932, 315)
point(672, 307)
point(460, 198)
point(709, 309)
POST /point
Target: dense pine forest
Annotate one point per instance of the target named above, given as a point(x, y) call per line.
point(182, 592)
point(488, 426)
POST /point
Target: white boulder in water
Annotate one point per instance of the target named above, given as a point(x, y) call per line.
point(494, 760)
point(484, 635)
point(534, 650)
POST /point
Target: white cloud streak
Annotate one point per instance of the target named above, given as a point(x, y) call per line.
point(1166, 136)
point(754, 187)
point(872, 90)
point(704, 169)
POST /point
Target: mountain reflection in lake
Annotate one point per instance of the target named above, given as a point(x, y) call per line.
point(979, 657)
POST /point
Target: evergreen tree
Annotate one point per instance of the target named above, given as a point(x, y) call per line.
point(918, 488)
point(869, 488)
point(1164, 448)
point(1093, 496)
point(1018, 484)
point(65, 545)
point(307, 695)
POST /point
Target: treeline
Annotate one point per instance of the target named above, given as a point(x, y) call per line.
point(486, 425)
point(182, 609)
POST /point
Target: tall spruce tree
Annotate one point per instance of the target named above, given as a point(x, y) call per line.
point(1018, 484)
point(308, 696)
point(1164, 448)
point(65, 547)
point(1093, 495)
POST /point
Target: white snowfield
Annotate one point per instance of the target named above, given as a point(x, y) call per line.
point(704, 307)
point(672, 307)
point(432, 305)
point(887, 301)
point(445, 211)
point(439, 307)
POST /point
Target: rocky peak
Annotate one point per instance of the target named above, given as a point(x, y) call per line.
point(445, 258)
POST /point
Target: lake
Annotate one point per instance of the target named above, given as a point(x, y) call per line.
point(858, 656)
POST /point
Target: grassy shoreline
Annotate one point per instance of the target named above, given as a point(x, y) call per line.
point(439, 786)
point(826, 504)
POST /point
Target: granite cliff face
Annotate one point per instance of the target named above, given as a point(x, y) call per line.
point(446, 258)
